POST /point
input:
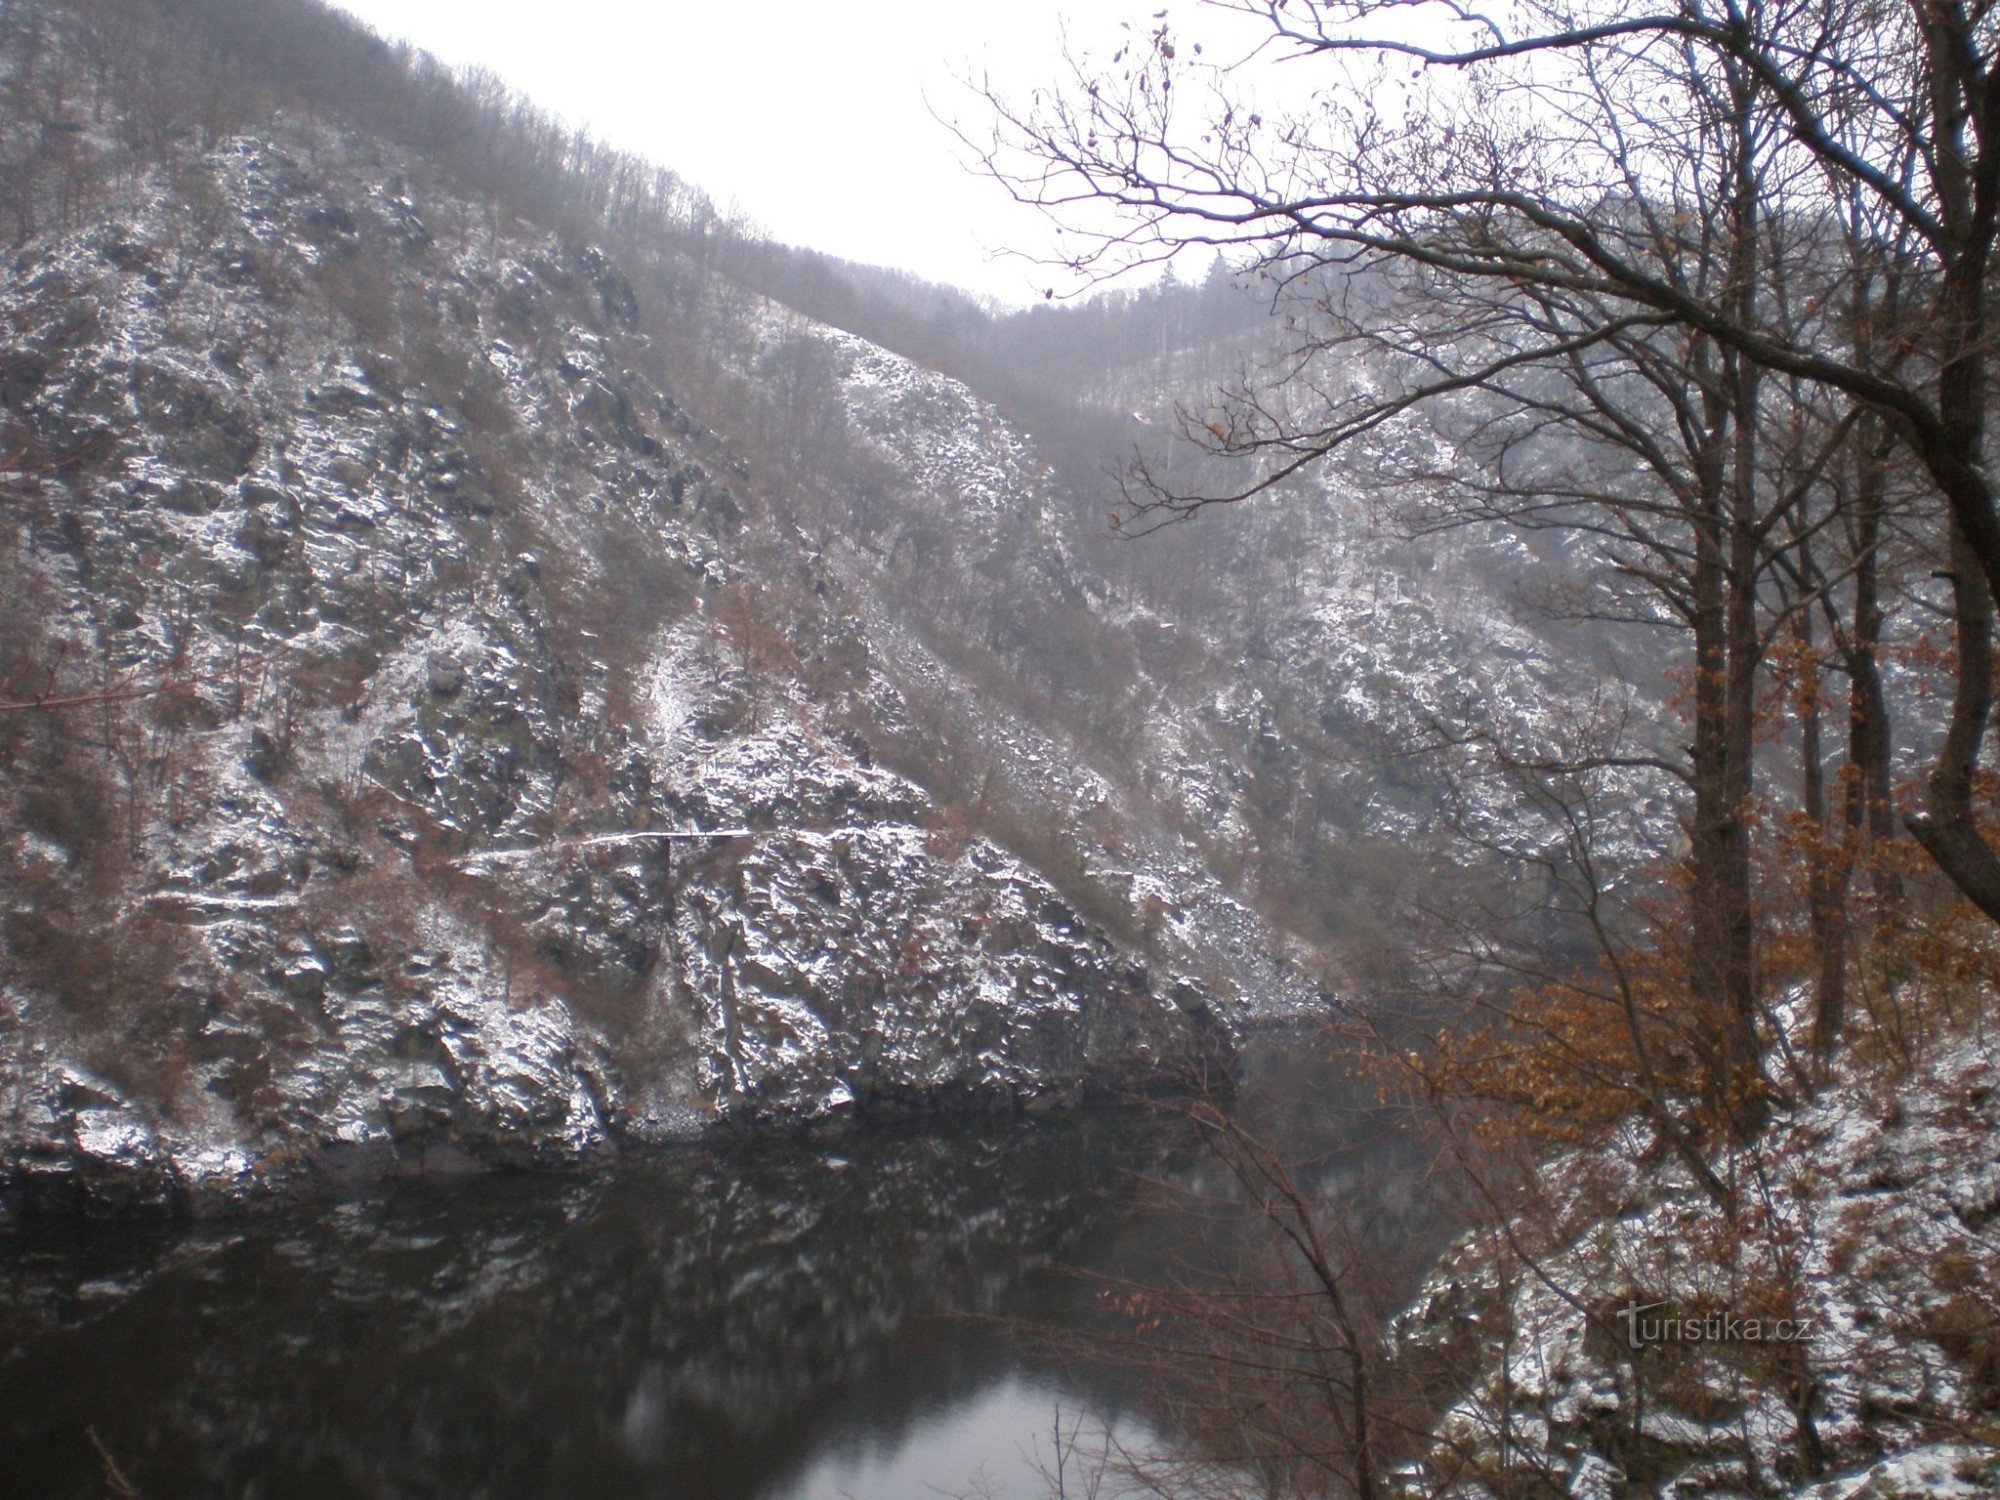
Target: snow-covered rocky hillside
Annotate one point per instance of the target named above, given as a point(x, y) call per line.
point(1250, 739)
point(412, 777)
point(1831, 1339)
point(477, 697)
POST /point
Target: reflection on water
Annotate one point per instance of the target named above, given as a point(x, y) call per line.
point(768, 1320)
point(998, 1441)
point(723, 1323)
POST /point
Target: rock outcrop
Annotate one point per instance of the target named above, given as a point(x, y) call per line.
point(423, 776)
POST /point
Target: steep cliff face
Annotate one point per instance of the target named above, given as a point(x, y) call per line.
point(428, 741)
point(417, 772)
point(1013, 675)
point(1253, 742)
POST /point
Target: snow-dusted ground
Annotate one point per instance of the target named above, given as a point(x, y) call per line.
point(1866, 1245)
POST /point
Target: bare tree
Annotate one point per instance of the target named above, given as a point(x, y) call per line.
point(1545, 150)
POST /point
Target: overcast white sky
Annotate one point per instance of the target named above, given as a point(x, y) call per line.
point(810, 117)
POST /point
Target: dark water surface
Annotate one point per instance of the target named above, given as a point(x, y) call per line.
point(785, 1319)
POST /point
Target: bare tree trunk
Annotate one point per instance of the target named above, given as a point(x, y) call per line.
point(1871, 810)
point(1710, 835)
point(1722, 958)
point(1722, 968)
point(1742, 1049)
point(1827, 879)
point(1948, 828)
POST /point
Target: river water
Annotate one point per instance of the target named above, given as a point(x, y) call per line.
point(780, 1320)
